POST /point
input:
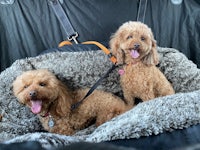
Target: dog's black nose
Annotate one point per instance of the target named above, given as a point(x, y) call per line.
point(33, 94)
point(136, 46)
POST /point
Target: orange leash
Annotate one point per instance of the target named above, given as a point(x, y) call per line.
point(106, 51)
point(63, 43)
point(101, 46)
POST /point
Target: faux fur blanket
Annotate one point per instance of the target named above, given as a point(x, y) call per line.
point(82, 69)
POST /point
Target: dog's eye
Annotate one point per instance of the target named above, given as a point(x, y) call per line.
point(25, 86)
point(143, 38)
point(42, 84)
point(129, 37)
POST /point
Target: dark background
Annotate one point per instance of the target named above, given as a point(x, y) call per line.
point(29, 27)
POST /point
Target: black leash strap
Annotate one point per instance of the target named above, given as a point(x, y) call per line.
point(74, 106)
point(142, 10)
point(64, 20)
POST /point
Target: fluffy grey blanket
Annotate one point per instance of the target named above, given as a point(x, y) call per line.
point(82, 69)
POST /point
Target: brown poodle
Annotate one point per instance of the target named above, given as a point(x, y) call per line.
point(134, 46)
point(52, 100)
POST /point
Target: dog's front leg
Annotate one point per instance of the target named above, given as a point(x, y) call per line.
point(129, 98)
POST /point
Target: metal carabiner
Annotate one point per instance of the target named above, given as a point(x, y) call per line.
point(73, 38)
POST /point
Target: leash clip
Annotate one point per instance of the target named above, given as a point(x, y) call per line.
point(112, 58)
point(73, 37)
point(74, 106)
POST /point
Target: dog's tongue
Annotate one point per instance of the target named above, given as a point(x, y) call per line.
point(36, 106)
point(134, 54)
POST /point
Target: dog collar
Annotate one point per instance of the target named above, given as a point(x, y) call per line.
point(45, 115)
point(48, 111)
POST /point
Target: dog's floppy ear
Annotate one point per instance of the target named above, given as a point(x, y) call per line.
point(152, 56)
point(115, 48)
point(64, 101)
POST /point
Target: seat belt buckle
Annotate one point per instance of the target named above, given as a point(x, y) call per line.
point(73, 38)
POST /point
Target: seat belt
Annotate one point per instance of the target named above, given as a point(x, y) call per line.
point(142, 10)
point(64, 20)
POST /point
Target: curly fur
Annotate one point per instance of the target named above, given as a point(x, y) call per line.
point(52, 100)
point(79, 69)
point(135, 48)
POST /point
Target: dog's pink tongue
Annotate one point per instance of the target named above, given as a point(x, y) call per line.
point(36, 106)
point(134, 54)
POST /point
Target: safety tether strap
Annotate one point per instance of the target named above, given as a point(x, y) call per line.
point(74, 106)
point(112, 59)
point(142, 10)
point(64, 20)
point(101, 46)
point(104, 49)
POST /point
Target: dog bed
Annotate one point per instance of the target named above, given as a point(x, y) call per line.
point(82, 69)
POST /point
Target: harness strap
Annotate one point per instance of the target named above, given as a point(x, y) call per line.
point(64, 20)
